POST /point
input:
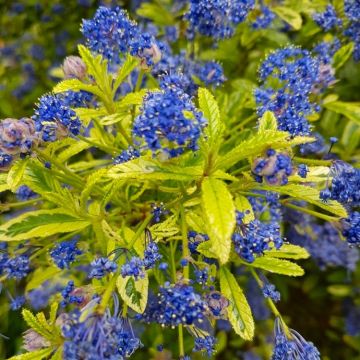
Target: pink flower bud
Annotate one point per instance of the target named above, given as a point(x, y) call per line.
point(74, 67)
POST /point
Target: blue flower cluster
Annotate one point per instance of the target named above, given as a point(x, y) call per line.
point(111, 33)
point(175, 304)
point(205, 344)
point(69, 295)
point(211, 73)
point(267, 202)
point(255, 237)
point(216, 18)
point(98, 337)
point(298, 75)
point(264, 19)
point(352, 11)
point(352, 229)
point(327, 19)
point(270, 292)
point(17, 138)
point(293, 348)
point(126, 155)
point(275, 168)
point(324, 244)
point(136, 266)
point(24, 193)
point(345, 184)
point(195, 239)
point(65, 253)
point(216, 304)
point(54, 118)
point(16, 267)
point(169, 120)
point(100, 267)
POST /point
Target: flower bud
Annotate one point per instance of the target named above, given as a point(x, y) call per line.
point(34, 341)
point(74, 67)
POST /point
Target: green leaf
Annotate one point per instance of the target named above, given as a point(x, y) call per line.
point(210, 109)
point(58, 355)
point(133, 98)
point(41, 223)
point(40, 275)
point(243, 205)
point(165, 229)
point(277, 266)
point(309, 194)
point(142, 170)
point(16, 174)
point(94, 179)
point(134, 293)
point(219, 211)
point(239, 311)
point(35, 324)
point(157, 13)
point(290, 16)
point(349, 109)
point(268, 122)
point(73, 150)
point(288, 251)
point(76, 85)
point(125, 70)
point(343, 55)
point(3, 182)
point(253, 146)
point(34, 355)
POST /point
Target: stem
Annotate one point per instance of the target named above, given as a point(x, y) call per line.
point(139, 231)
point(181, 341)
point(185, 241)
point(271, 304)
point(110, 150)
point(313, 161)
point(172, 258)
point(310, 212)
point(107, 294)
point(19, 204)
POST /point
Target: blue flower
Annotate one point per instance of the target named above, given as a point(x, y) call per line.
point(270, 291)
point(327, 19)
point(100, 267)
point(175, 305)
point(293, 348)
point(265, 18)
point(216, 18)
point(205, 344)
point(302, 170)
point(211, 73)
point(17, 267)
point(98, 336)
point(109, 33)
point(55, 119)
point(351, 230)
point(65, 253)
point(274, 168)
point(24, 193)
point(169, 121)
point(267, 202)
point(151, 255)
point(126, 155)
point(255, 237)
point(195, 239)
point(69, 295)
point(133, 267)
point(17, 302)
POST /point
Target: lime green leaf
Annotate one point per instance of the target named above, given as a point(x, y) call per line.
point(349, 109)
point(3, 182)
point(41, 223)
point(35, 324)
point(277, 266)
point(157, 13)
point(254, 146)
point(92, 180)
point(73, 150)
point(243, 205)
point(142, 170)
point(343, 55)
point(128, 66)
point(210, 109)
point(165, 229)
point(86, 115)
point(309, 194)
point(134, 98)
point(267, 122)
point(288, 251)
point(34, 355)
point(340, 290)
point(134, 293)
point(53, 313)
point(40, 275)
point(219, 210)
point(76, 85)
point(239, 311)
point(16, 174)
point(288, 15)
point(58, 355)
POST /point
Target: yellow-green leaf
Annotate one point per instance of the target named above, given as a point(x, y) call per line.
point(239, 311)
point(278, 266)
point(243, 205)
point(134, 295)
point(349, 109)
point(288, 251)
point(290, 16)
point(267, 122)
point(219, 210)
point(16, 174)
point(34, 355)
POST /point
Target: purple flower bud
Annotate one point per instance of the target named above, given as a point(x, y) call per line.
point(33, 341)
point(74, 67)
